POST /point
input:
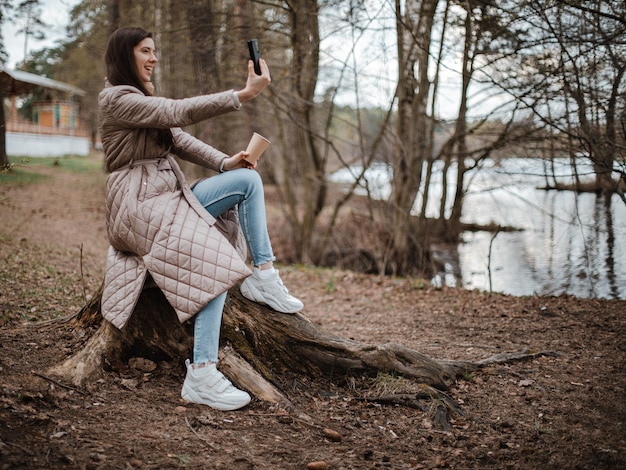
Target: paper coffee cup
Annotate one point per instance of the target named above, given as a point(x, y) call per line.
point(256, 147)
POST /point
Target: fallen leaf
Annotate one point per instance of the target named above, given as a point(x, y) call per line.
point(319, 465)
point(332, 435)
point(142, 364)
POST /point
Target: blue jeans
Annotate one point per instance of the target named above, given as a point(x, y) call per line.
point(244, 188)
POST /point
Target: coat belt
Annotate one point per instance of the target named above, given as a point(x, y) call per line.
point(145, 161)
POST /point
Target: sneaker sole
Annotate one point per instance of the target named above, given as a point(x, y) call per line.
point(252, 293)
point(192, 397)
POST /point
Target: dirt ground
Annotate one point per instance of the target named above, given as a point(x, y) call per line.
point(560, 411)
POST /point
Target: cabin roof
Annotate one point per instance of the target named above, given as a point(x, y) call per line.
point(17, 82)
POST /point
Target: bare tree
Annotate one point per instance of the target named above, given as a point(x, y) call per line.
point(205, 51)
point(301, 172)
point(595, 86)
point(4, 159)
point(567, 69)
point(113, 8)
point(414, 36)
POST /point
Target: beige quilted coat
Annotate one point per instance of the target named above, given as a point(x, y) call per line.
point(155, 224)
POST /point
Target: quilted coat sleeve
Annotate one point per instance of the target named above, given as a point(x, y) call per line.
point(128, 107)
point(196, 151)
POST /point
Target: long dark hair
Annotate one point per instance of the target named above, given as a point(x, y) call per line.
point(122, 70)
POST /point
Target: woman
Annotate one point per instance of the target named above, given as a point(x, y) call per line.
point(189, 240)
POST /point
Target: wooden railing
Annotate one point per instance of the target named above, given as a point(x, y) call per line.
point(29, 127)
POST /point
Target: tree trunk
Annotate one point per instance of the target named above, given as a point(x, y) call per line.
point(302, 172)
point(113, 12)
point(410, 252)
point(206, 48)
point(4, 159)
point(460, 132)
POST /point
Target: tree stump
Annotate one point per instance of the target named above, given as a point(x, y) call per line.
point(258, 345)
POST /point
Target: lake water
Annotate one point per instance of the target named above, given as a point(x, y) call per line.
point(566, 243)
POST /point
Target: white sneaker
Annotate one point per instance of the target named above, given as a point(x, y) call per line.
point(208, 386)
point(266, 287)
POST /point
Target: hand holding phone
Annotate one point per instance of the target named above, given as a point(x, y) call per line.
point(255, 54)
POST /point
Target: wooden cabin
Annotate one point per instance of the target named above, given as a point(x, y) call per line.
point(54, 127)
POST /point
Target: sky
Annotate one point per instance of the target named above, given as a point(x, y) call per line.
point(55, 13)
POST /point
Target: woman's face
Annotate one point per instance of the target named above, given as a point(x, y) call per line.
point(145, 59)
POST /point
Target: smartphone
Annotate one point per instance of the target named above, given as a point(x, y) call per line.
point(255, 54)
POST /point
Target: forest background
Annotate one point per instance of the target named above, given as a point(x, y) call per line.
point(412, 85)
